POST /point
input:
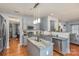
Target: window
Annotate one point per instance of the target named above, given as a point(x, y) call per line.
point(75, 28)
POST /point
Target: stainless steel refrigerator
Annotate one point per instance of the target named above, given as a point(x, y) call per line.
point(2, 33)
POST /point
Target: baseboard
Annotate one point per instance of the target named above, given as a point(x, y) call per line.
point(7, 47)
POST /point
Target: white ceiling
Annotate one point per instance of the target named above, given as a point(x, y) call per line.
point(63, 11)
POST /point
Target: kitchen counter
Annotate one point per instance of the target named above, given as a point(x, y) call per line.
point(62, 45)
point(49, 38)
point(59, 38)
point(42, 44)
point(41, 48)
point(0, 38)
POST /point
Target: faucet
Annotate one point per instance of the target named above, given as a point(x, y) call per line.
point(37, 35)
point(56, 35)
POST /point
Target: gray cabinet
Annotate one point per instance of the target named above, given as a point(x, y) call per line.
point(74, 39)
point(25, 40)
point(1, 40)
point(52, 25)
point(44, 48)
point(1, 44)
point(48, 38)
point(61, 45)
point(57, 45)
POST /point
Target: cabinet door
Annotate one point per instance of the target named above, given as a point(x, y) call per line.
point(57, 45)
point(48, 38)
point(52, 25)
point(1, 45)
point(1, 26)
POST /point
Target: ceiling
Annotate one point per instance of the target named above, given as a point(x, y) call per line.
point(64, 11)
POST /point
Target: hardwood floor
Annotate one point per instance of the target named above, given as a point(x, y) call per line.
point(74, 51)
point(17, 50)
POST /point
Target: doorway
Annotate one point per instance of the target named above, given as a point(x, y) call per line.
point(14, 33)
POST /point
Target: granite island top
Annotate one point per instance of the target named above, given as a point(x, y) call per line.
point(60, 38)
point(0, 38)
point(41, 44)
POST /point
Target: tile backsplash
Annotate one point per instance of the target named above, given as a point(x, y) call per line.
point(61, 34)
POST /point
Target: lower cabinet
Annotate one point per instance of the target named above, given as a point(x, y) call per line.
point(24, 40)
point(36, 50)
point(1, 45)
point(74, 39)
point(57, 45)
point(61, 46)
point(47, 38)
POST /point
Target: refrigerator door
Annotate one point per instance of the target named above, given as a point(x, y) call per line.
point(2, 33)
point(1, 39)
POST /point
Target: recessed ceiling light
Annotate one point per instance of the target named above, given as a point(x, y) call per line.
point(16, 11)
point(52, 14)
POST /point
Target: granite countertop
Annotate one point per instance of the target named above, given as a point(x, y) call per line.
point(59, 38)
point(0, 38)
point(42, 44)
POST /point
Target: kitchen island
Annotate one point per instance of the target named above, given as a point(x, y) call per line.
point(62, 45)
point(61, 41)
point(41, 48)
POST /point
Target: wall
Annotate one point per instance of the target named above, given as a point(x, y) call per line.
point(13, 30)
point(27, 21)
point(7, 29)
point(68, 25)
point(6, 16)
point(51, 22)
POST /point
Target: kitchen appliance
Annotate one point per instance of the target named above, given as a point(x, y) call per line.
point(2, 33)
